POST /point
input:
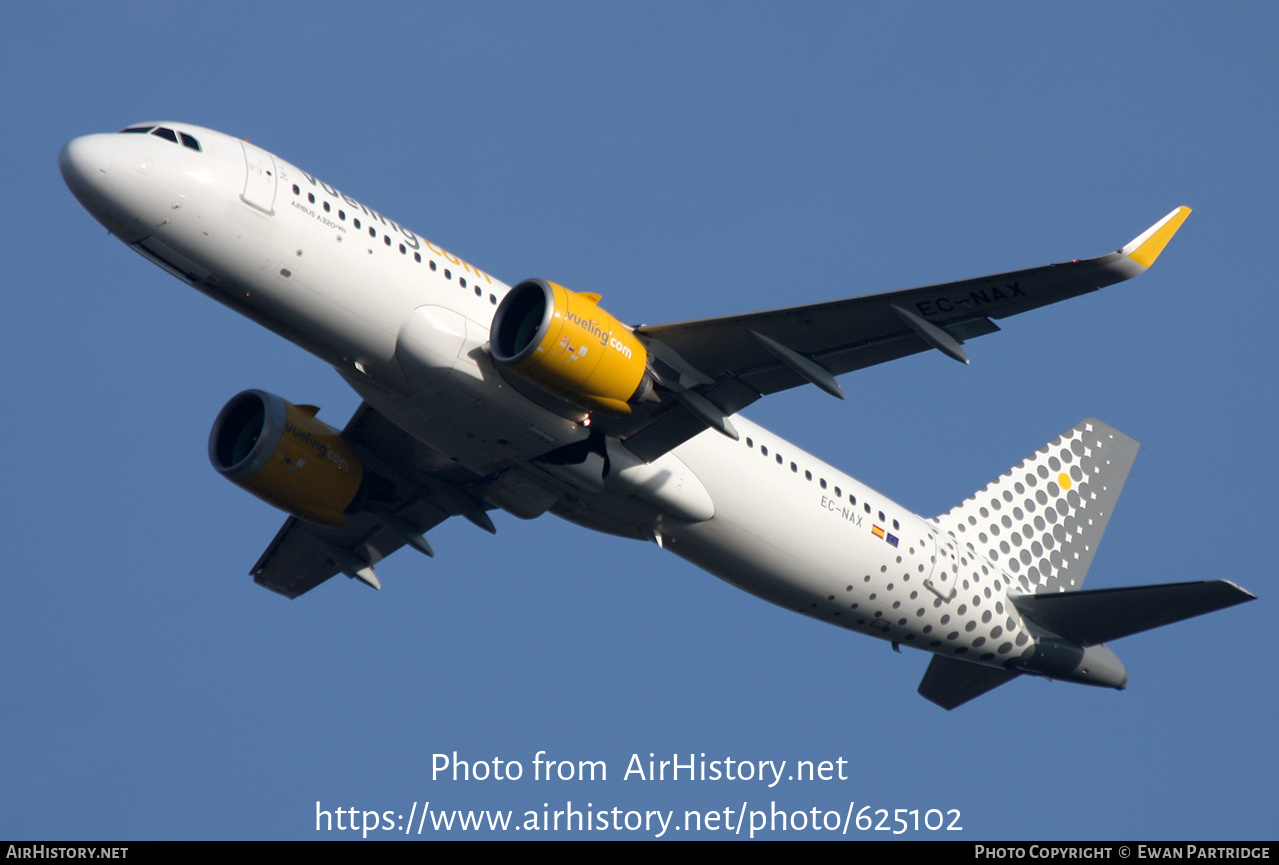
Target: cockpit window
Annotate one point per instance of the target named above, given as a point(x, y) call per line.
point(167, 134)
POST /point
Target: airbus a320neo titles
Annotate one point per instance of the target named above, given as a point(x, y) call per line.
point(532, 398)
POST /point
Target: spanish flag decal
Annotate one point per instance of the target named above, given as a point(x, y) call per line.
point(877, 532)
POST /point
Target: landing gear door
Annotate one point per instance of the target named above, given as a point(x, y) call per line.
point(259, 178)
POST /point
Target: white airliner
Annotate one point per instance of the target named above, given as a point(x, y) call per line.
point(532, 398)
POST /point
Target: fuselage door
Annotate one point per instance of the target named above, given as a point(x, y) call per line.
point(944, 579)
point(259, 178)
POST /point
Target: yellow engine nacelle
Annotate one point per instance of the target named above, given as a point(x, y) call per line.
point(565, 343)
point(284, 455)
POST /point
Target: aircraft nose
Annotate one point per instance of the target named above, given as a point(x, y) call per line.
point(84, 163)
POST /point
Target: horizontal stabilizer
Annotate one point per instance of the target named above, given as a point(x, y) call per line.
point(950, 682)
point(1101, 615)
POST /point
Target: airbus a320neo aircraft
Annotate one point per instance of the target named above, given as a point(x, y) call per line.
point(531, 398)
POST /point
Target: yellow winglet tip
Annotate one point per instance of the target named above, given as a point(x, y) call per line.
point(1145, 248)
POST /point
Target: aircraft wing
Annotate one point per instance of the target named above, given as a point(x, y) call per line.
point(414, 490)
point(303, 555)
point(742, 357)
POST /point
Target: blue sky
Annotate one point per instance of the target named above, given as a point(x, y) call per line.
point(682, 160)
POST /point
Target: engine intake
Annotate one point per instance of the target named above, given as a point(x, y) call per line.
point(285, 456)
point(563, 342)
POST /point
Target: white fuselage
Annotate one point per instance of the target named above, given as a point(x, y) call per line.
point(407, 324)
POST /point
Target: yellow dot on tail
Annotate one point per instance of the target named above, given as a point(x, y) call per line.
point(1064, 480)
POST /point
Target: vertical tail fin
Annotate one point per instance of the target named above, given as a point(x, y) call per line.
point(1042, 520)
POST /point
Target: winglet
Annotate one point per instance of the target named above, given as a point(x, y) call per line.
point(1147, 246)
